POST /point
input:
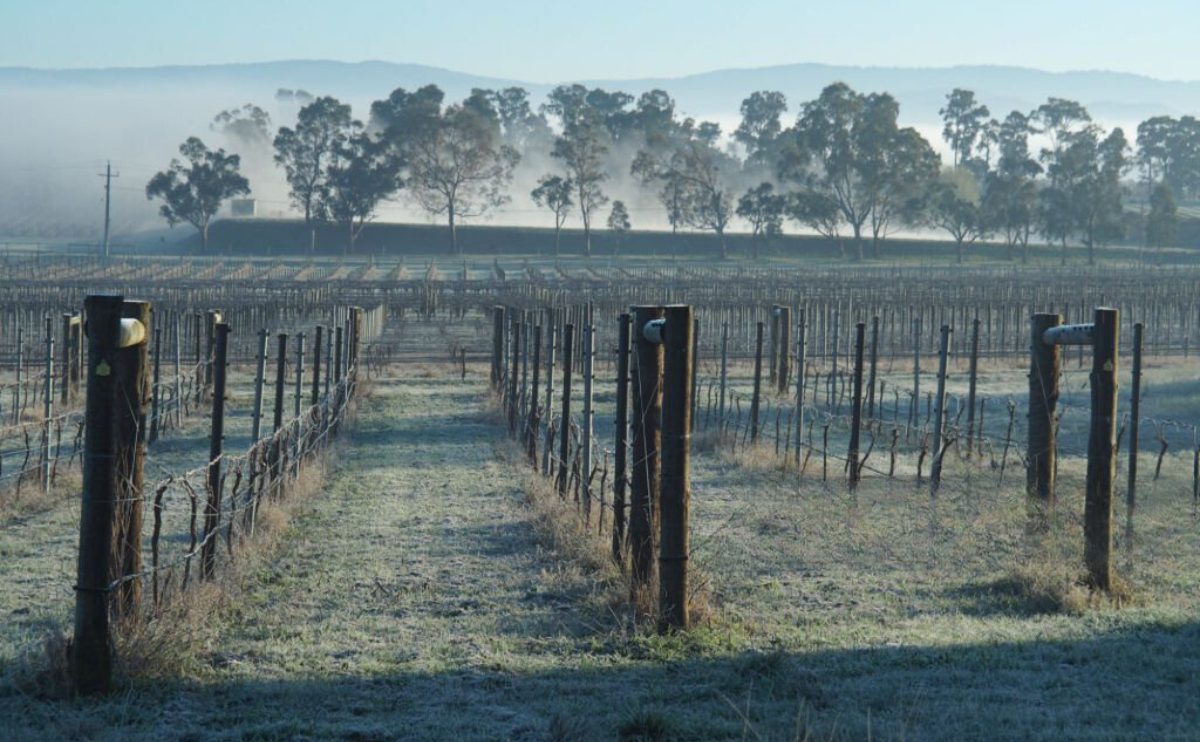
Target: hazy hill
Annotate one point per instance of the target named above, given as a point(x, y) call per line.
point(921, 91)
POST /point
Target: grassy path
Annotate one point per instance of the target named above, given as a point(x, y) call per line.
point(413, 600)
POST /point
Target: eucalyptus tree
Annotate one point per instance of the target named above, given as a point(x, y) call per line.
point(304, 151)
point(553, 192)
point(193, 189)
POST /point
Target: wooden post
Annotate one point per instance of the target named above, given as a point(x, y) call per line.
point(773, 344)
point(647, 419)
point(860, 329)
point(801, 341)
point(91, 647)
point(1102, 441)
point(724, 371)
point(260, 369)
point(212, 317)
point(621, 423)
point(535, 413)
point(276, 453)
point(695, 376)
point(972, 384)
point(548, 445)
point(588, 413)
point(1135, 411)
point(675, 484)
point(939, 413)
point(755, 400)
point(914, 411)
point(65, 392)
point(298, 395)
point(156, 387)
point(47, 404)
point(212, 510)
point(131, 367)
point(871, 384)
point(1044, 360)
point(564, 448)
point(315, 396)
point(514, 375)
point(785, 331)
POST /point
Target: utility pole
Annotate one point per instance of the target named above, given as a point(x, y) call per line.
point(108, 176)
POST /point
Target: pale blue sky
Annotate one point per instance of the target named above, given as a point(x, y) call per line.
point(552, 40)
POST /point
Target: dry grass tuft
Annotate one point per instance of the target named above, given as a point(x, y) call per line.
point(30, 498)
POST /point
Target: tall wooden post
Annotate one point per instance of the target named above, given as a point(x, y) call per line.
point(548, 445)
point(856, 411)
point(132, 369)
point(773, 344)
point(755, 401)
point(972, 385)
point(588, 417)
point(621, 422)
point(315, 396)
point(782, 357)
point(1135, 412)
point(535, 412)
point(91, 647)
point(276, 453)
point(212, 510)
point(647, 419)
point(724, 371)
point(675, 495)
point(65, 358)
point(1102, 443)
point(47, 403)
point(1044, 360)
point(564, 447)
point(514, 374)
point(871, 384)
point(801, 342)
point(156, 387)
point(939, 412)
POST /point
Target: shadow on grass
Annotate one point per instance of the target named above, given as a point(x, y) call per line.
point(1136, 683)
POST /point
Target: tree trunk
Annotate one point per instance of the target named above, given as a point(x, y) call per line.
point(204, 236)
point(858, 242)
point(1062, 259)
point(587, 240)
point(453, 230)
point(724, 245)
point(958, 248)
point(557, 232)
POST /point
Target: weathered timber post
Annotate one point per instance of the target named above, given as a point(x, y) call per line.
point(131, 368)
point(914, 411)
point(548, 444)
point(871, 384)
point(785, 327)
point(972, 385)
point(91, 647)
point(564, 448)
point(588, 416)
point(514, 375)
point(801, 340)
point(216, 439)
point(647, 419)
point(535, 413)
point(621, 422)
point(695, 374)
point(755, 400)
point(1102, 440)
point(110, 517)
point(298, 396)
point(724, 372)
point(47, 404)
point(773, 343)
point(156, 387)
point(211, 317)
point(675, 492)
point(1044, 360)
point(276, 453)
point(315, 396)
point(67, 366)
point(939, 412)
point(856, 411)
point(1135, 411)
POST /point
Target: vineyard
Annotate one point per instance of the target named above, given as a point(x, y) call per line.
point(531, 499)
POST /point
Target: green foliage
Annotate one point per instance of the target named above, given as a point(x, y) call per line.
point(1162, 221)
point(304, 151)
point(193, 190)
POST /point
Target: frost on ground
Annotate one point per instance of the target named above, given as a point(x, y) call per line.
point(415, 599)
